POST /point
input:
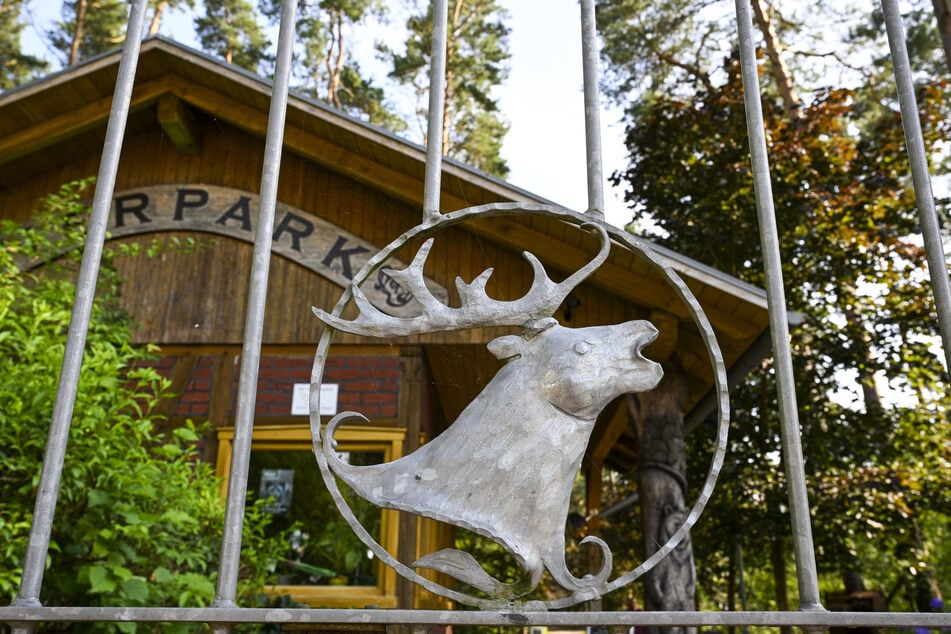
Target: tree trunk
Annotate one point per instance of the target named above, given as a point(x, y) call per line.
point(775, 51)
point(451, 32)
point(942, 13)
point(334, 59)
point(157, 18)
point(661, 482)
point(76, 45)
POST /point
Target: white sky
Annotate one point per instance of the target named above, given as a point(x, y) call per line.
point(545, 146)
point(542, 100)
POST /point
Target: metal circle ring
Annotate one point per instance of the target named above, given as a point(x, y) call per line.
point(633, 243)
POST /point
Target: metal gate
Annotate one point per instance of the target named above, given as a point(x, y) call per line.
point(27, 612)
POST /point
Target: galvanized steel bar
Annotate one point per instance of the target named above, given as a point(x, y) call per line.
point(513, 617)
point(592, 110)
point(432, 186)
point(45, 507)
point(778, 318)
point(918, 158)
point(254, 321)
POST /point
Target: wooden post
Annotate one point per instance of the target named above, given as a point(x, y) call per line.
point(662, 483)
point(409, 415)
point(219, 408)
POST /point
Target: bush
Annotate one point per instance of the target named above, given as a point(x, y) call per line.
point(139, 516)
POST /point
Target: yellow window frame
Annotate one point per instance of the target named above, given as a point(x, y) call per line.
point(389, 441)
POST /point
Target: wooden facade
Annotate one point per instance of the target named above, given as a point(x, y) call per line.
point(197, 125)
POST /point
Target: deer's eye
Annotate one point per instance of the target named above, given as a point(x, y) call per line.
point(582, 347)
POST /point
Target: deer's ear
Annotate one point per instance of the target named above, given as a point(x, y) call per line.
point(507, 346)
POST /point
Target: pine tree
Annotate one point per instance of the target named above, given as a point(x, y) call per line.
point(88, 28)
point(159, 9)
point(230, 29)
point(15, 67)
point(476, 61)
point(326, 32)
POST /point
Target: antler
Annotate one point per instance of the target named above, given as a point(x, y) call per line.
point(477, 309)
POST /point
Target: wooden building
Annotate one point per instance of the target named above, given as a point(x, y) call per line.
point(191, 169)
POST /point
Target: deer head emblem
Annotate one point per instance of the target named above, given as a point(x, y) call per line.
point(505, 467)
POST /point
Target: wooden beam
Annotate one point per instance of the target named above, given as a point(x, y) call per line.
point(52, 131)
point(222, 390)
point(592, 481)
point(307, 144)
point(178, 123)
point(606, 434)
point(219, 406)
point(178, 378)
point(666, 342)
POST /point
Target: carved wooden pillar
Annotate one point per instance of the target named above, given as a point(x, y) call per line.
point(662, 484)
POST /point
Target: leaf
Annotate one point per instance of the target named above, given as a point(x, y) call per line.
point(136, 589)
point(162, 575)
point(315, 571)
point(178, 517)
point(100, 580)
point(462, 566)
point(198, 585)
point(99, 498)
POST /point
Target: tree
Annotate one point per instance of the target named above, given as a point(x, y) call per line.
point(87, 28)
point(476, 61)
point(138, 514)
point(847, 222)
point(845, 213)
point(15, 67)
point(324, 32)
point(657, 46)
point(230, 29)
point(159, 7)
point(942, 12)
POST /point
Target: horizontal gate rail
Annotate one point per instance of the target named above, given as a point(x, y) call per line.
point(441, 618)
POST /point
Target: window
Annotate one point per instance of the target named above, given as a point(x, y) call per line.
point(325, 565)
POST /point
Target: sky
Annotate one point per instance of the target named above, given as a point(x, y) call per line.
point(542, 101)
point(545, 146)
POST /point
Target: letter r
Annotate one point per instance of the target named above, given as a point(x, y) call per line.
point(134, 204)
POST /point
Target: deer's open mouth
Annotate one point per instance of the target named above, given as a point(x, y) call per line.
point(644, 339)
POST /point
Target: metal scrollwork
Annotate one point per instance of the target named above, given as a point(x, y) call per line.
point(504, 469)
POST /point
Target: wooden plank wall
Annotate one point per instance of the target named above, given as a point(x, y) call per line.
point(198, 297)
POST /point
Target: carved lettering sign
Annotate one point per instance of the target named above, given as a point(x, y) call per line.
point(314, 243)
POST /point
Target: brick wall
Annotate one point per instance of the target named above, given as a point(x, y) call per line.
point(369, 385)
point(366, 384)
point(194, 400)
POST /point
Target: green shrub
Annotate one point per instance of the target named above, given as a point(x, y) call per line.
point(139, 516)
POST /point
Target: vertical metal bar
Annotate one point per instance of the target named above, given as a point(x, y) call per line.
point(45, 507)
point(254, 321)
point(592, 110)
point(918, 158)
point(432, 187)
point(778, 318)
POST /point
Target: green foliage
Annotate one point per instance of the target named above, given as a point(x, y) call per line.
point(231, 30)
point(326, 32)
point(854, 268)
point(15, 67)
point(658, 46)
point(138, 517)
point(476, 61)
point(88, 28)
